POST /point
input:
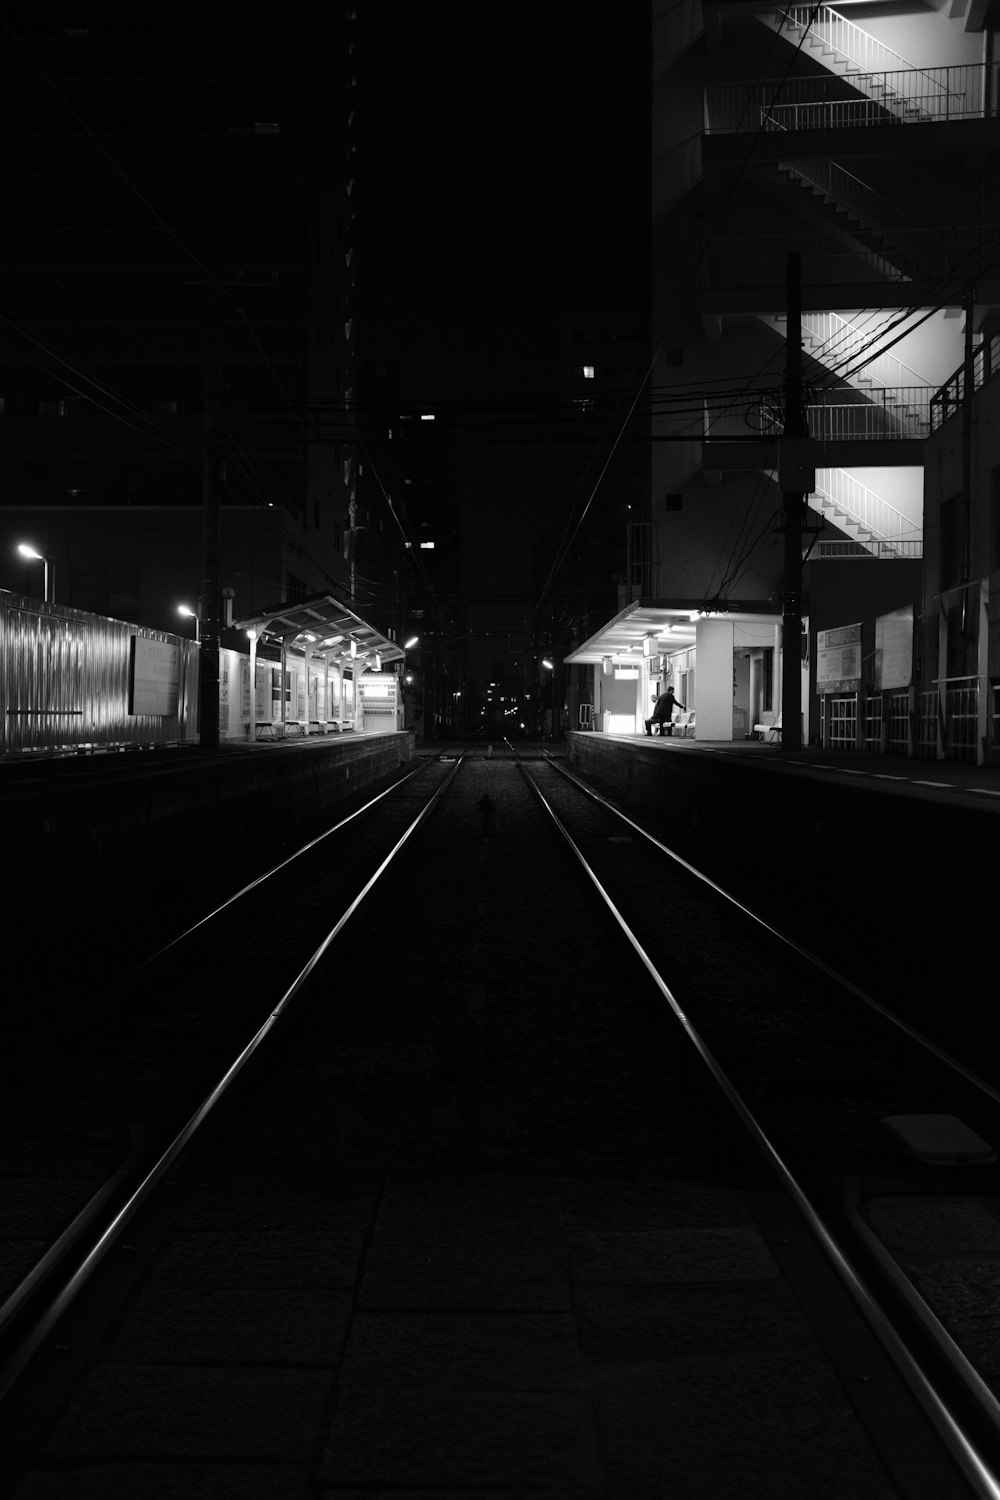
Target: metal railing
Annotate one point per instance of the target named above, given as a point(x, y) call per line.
point(928, 713)
point(831, 101)
point(865, 509)
point(762, 260)
point(896, 722)
point(831, 415)
point(882, 413)
point(836, 340)
point(839, 721)
point(961, 718)
point(873, 722)
point(874, 548)
point(858, 48)
point(947, 401)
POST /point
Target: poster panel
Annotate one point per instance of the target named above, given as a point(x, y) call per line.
point(838, 659)
point(153, 684)
point(894, 649)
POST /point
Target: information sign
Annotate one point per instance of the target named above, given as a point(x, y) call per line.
point(838, 659)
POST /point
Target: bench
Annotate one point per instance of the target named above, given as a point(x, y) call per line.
point(684, 723)
point(770, 729)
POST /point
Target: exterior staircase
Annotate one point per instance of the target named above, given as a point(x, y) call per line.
point(833, 340)
point(903, 91)
point(864, 516)
point(841, 201)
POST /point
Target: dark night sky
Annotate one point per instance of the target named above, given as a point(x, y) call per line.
point(502, 186)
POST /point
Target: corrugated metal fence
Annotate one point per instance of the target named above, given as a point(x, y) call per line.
point(79, 681)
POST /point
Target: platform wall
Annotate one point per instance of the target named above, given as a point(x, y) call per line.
point(889, 887)
point(97, 840)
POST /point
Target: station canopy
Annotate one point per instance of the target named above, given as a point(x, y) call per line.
point(670, 623)
point(321, 623)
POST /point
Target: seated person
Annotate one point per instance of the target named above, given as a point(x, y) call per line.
point(663, 712)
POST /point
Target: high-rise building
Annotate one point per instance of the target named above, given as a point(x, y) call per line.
point(179, 324)
point(824, 258)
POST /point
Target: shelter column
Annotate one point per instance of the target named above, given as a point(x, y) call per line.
point(252, 724)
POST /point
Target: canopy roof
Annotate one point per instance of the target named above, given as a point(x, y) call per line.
point(322, 623)
point(670, 621)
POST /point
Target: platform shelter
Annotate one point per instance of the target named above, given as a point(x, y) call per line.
point(325, 669)
point(724, 665)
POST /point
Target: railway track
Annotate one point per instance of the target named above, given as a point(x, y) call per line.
point(548, 1008)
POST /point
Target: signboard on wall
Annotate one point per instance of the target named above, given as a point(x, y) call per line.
point(838, 659)
point(894, 649)
point(153, 669)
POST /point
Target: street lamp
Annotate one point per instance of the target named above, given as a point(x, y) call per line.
point(49, 574)
point(190, 614)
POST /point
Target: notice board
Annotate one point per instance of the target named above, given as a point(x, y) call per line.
point(838, 659)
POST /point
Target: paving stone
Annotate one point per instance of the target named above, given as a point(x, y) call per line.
point(935, 1226)
point(301, 1203)
point(118, 1481)
point(259, 1258)
point(607, 1203)
point(418, 1207)
point(193, 1414)
point(530, 1275)
point(536, 1492)
point(446, 1439)
point(672, 1255)
point(463, 1351)
point(964, 1294)
point(749, 1427)
point(181, 1326)
point(43, 1205)
point(677, 1322)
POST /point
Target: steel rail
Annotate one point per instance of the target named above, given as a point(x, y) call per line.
point(259, 880)
point(981, 1084)
point(15, 1363)
point(960, 1447)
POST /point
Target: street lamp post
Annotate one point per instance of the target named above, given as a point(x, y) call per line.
point(190, 614)
point(49, 567)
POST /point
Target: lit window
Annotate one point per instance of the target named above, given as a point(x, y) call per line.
point(427, 546)
point(588, 372)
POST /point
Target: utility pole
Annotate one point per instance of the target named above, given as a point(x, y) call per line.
point(211, 587)
point(797, 479)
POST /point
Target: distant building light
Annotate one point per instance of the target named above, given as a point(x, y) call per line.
point(588, 372)
point(427, 416)
point(427, 546)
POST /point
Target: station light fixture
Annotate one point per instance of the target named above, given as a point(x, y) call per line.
point(48, 566)
point(191, 614)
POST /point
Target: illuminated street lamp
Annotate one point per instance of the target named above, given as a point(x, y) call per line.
point(190, 614)
point(49, 574)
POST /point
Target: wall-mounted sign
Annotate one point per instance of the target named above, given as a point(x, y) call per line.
point(152, 677)
point(838, 659)
point(894, 649)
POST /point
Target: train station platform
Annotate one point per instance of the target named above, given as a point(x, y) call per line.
point(947, 780)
